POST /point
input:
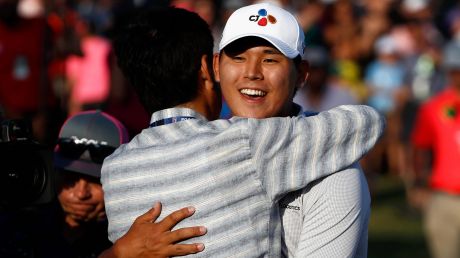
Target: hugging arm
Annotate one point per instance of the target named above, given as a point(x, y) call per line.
point(290, 153)
point(147, 238)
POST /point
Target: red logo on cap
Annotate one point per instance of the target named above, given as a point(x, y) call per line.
point(262, 18)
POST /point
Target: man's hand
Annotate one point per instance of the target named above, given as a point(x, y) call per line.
point(146, 238)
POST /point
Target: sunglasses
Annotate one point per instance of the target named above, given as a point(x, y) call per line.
point(73, 148)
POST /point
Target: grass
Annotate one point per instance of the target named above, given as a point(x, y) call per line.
point(395, 230)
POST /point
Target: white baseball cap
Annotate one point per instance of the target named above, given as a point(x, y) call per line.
point(267, 21)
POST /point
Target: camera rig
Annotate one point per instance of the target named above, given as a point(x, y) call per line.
point(26, 173)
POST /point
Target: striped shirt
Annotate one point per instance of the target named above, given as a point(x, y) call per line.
point(232, 171)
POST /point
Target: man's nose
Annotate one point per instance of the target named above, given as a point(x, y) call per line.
point(253, 70)
point(82, 189)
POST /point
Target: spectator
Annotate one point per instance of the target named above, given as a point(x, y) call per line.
point(84, 141)
point(88, 76)
point(385, 76)
point(437, 185)
point(388, 94)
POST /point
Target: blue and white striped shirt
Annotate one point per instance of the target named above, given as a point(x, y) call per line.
point(232, 171)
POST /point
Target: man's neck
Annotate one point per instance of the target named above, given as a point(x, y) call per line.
point(199, 107)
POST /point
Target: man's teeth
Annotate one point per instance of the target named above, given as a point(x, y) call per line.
point(252, 92)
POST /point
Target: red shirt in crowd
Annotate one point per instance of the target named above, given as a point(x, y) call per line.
point(438, 128)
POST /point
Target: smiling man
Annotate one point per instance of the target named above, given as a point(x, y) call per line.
point(259, 69)
point(258, 80)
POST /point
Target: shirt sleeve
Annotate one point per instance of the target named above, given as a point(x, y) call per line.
point(335, 214)
point(290, 153)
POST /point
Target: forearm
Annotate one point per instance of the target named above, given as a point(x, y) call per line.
point(317, 146)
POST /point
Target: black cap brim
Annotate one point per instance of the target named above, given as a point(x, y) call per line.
point(79, 166)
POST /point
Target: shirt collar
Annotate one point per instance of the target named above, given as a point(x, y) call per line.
point(296, 110)
point(175, 112)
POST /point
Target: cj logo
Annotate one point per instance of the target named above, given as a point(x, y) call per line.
point(262, 18)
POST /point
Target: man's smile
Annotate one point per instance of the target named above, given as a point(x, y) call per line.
point(253, 93)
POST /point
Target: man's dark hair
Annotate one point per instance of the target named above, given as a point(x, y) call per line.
point(159, 51)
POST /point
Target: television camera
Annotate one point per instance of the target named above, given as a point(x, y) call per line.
point(26, 170)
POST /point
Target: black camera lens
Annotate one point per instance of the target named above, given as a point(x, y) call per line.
point(23, 176)
point(26, 172)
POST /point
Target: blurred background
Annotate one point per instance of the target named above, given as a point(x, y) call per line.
point(56, 59)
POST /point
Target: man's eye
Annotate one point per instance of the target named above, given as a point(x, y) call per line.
point(237, 58)
point(269, 60)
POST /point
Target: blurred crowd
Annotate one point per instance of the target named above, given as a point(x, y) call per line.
point(56, 60)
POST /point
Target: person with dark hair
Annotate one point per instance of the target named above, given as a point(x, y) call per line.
point(233, 171)
point(147, 70)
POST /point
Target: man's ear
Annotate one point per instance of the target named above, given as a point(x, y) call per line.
point(205, 75)
point(215, 64)
point(302, 77)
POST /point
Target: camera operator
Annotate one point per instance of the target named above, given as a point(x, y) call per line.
point(75, 225)
point(84, 141)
